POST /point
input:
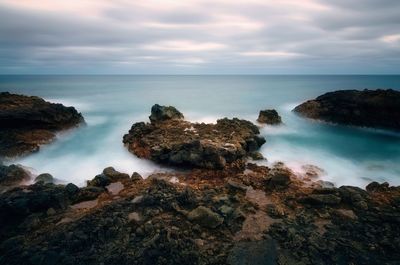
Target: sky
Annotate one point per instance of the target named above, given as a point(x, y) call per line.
point(200, 37)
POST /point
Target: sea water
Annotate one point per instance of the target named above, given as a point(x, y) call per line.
point(111, 104)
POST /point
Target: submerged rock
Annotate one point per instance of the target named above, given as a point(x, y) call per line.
point(177, 142)
point(368, 108)
point(27, 122)
point(269, 116)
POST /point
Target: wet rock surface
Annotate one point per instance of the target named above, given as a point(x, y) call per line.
point(206, 217)
point(269, 116)
point(368, 108)
point(28, 122)
point(178, 142)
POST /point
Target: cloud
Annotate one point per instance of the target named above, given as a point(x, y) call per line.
point(199, 36)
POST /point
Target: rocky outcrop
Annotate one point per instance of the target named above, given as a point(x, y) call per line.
point(174, 141)
point(27, 122)
point(163, 113)
point(203, 217)
point(13, 174)
point(367, 108)
point(269, 116)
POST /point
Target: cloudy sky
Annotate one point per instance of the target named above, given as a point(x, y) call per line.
point(200, 36)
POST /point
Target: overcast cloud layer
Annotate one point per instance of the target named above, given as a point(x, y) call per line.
point(200, 36)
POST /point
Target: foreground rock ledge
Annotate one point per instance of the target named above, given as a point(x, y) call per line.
point(169, 139)
point(258, 215)
point(368, 108)
point(27, 122)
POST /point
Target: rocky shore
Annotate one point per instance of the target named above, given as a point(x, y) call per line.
point(217, 207)
point(28, 122)
point(255, 215)
point(367, 108)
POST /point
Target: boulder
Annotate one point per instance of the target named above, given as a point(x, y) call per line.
point(114, 175)
point(13, 174)
point(136, 177)
point(375, 186)
point(269, 116)
point(181, 143)
point(27, 122)
point(205, 217)
point(45, 178)
point(163, 113)
point(367, 108)
point(100, 180)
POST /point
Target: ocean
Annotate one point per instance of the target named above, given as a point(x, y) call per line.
point(110, 104)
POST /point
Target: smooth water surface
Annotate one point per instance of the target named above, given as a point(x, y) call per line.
point(111, 104)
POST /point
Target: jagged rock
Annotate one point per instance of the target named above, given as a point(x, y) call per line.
point(45, 178)
point(368, 108)
point(100, 180)
point(163, 113)
point(27, 122)
point(263, 252)
point(178, 142)
point(279, 177)
point(13, 174)
point(269, 116)
point(205, 217)
point(375, 186)
point(136, 177)
point(114, 175)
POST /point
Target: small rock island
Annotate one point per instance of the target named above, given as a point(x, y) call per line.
point(367, 108)
point(169, 139)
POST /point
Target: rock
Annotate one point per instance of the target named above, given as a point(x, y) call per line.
point(236, 185)
point(375, 186)
point(346, 214)
point(136, 177)
point(368, 108)
point(13, 174)
point(256, 156)
point(71, 189)
point(45, 178)
point(88, 193)
point(263, 252)
point(27, 122)
point(134, 216)
point(181, 143)
point(100, 180)
point(205, 217)
point(321, 199)
point(312, 171)
point(163, 113)
point(354, 196)
point(269, 116)
point(279, 177)
point(114, 175)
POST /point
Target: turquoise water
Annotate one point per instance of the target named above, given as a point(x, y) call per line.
point(110, 104)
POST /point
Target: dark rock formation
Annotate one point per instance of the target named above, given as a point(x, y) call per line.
point(174, 141)
point(269, 116)
point(367, 108)
point(163, 113)
point(27, 122)
point(45, 178)
point(198, 220)
point(13, 174)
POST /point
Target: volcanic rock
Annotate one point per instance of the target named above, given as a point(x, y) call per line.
point(269, 116)
point(174, 141)
point(205, 217)
point(368, 108)
point(27, 122)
